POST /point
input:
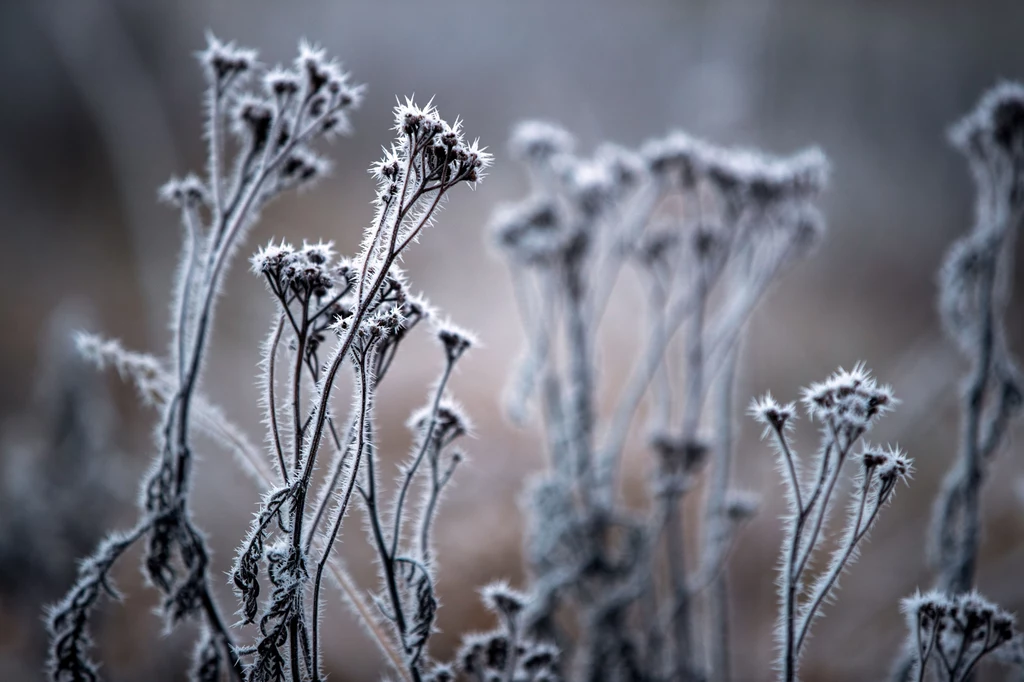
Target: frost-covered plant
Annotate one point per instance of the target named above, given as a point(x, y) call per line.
point(60, 480)
point(698, 223)
point(975, 283)
point(954, 633)
point(505, 654)
point(364, 305)
point(846, 406)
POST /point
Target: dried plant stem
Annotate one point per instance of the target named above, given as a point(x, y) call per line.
point(342, 507)
point(959, 496)
point(717, 522)
point(683, 651)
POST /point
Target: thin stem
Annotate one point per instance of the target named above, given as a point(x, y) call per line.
point(794, 479)
point(957, 575)
point(438, 483)
point(296, 388)
point(819, 503)
point(717, 522)
point(838, 563)
point(579, 401)
point(633, 394)
point(272, 346)
point(364, 407)
point(428, 437)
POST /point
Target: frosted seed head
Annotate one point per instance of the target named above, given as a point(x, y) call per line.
point(450, 421)
point(590, 185)
point(742, 505)
point(996, 123)
point(271, 258)
point(386, 322)
point(455, 340)
point(303, 167)
point(189, 191)
point(281, 84)
point(626, 168)
point(320, 74)
point(533, 231)
point(503, 600)
point(676, 157)
point(538, 142)
point(852, 399)
point(320, 253)
point(680, 455)
point(496, 652)
point(539, 657)
point(772, 414)
point(224, 62)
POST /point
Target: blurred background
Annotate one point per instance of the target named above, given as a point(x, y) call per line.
point(102, 103)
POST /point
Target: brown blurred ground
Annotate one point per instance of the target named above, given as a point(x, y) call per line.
point(874, 83)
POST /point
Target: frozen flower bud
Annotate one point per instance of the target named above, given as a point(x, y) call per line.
point(388, 168)
point(416, 307)
point(538, 142)
point(189, 191)
point(894, 467)
point(848, 397)
point(741, 505)
point(539, 657)
point(626, 168)
point(320, 253)
point(387, 322)
point(678, 454)
point(317, 70)
point(995, 126)
point(874, 458)
point(470, 656)
point(271, 258)
point(413, 120)
point(765, 179)
point(251, 120)
point(281, 84)
point(926, 609)
point(676, 157)
point(497, 651)
point(223, 62)
point(772, 414)
point(802, 175)
point(450, 422)
point(503, 600)
point(533, 231)
point(303, 167)
point(455, 340)
point(590, 185)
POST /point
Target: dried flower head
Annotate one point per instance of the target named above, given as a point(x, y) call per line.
point(774, 415)
point(503, 600)
point(675, 158)
point(539, 141)
point(454, 339)
point(848, 399)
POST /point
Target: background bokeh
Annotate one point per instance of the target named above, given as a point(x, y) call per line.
point(101, 103)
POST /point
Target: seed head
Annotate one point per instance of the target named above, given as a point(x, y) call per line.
point(538, 142)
